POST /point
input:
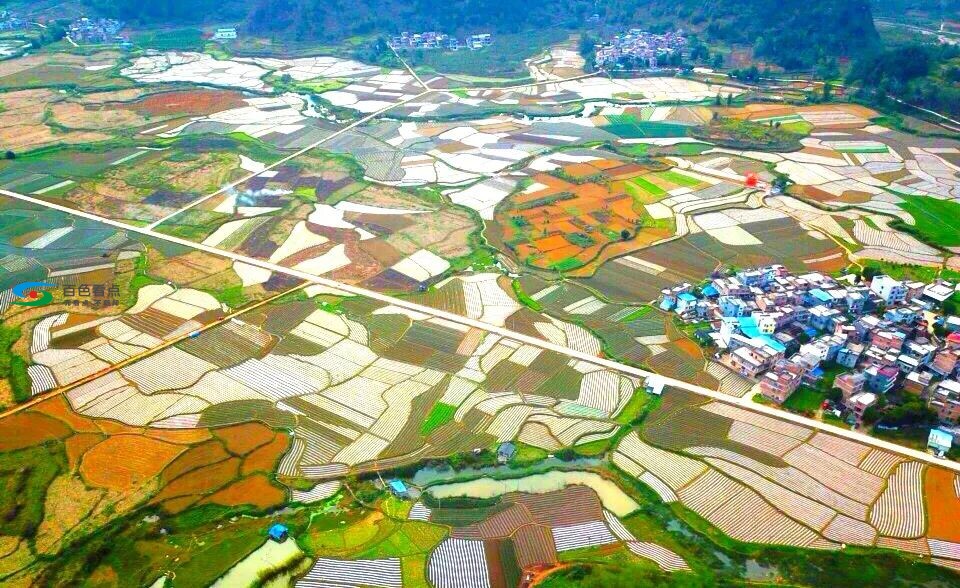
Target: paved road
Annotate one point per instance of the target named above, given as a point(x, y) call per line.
point(546, 345)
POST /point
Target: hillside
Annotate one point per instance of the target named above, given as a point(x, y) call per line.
point(789, 33)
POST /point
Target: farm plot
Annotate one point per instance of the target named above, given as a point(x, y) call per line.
point(578, 216)
point(943, 504)
point(899, 511)
point(312, 214)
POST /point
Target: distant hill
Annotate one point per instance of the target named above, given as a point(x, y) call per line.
point(792, 33)
point(934, 9)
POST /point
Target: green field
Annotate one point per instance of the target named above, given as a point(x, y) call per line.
point(630, 127)
point(938, 221)
point(643, 189)
point(440, 415)
point(805, 399)
point(504, 58)
point(185, 39)
point(680, 179)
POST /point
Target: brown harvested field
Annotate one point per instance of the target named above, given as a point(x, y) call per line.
point(58, 408)
point(689, 347)
point(574, 222)
point(179, 436)
point(93, 117)
point(201, 481)
point(242, 439)
point(177, 505)
point(78, 445)
point(187, 102)
point(193, 459)
point(26, 429)
point(255, 490)
point(830, 264)
point(68, 503)
point(265, 457)
point(942, 504)
point(124, 462)
point(534, 545)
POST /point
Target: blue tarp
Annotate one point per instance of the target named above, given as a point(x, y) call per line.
point(710, 291)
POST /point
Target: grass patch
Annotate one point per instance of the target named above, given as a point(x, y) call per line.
point(13, 368)
point(646, 186)
point(184, 39)
point(504, 58)
point(805, 399)
point(938, 221)
point(524, 298)
point(638, 405)
point(679, 179)
point(637, 314)
point(441, 414)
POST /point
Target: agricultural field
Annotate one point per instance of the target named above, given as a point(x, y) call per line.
point(159, 436)
point(318, 215)
point(803, 488)
point(575, 217)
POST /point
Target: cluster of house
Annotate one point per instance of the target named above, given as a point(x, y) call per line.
point(639, 48)
point(224, 34)
point(784, 329)
point(10, 21)
point(96, 30)
point(435, 40)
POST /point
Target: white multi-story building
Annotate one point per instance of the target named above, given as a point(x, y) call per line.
point(889, 290)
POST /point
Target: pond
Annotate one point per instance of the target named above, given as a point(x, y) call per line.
point(433, 475)
point(611, 496)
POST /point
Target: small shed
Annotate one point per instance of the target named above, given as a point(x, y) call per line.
point(397, 487)
point(940, 441)
point(278, 532)
point(505, 452)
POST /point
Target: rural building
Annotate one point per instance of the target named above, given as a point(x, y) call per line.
point(939, 441)
point(946, 401)
point(889, 290)
point(398, 488)
point(505, 452)
point(225, 33)
point(782, 381)
point(278, 532)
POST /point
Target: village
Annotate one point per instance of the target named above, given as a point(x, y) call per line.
point(639, 49)
point(406, 41)
point(879, 343)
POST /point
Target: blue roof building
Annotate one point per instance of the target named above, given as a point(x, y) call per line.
point(278, 532)
point(940, 441)
point(397, 487)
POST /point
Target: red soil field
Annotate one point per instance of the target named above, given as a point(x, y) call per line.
point(26, 429)
point(943, 504)
point(201, 481)
point(265, 458)
point(79, 444)
point(124, 462)
point(242, 439)
point(58, 408)
point(195, 458)
point(188, 102)
point(255, 490)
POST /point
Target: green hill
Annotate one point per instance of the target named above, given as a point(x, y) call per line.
point(793, 34)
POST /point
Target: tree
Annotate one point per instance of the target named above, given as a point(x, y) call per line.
point(827, 91)
point(9, 155)
point(718, 100)
point(729, 99)
point(625, 235)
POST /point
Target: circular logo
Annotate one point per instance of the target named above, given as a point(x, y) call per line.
point(31, 294)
